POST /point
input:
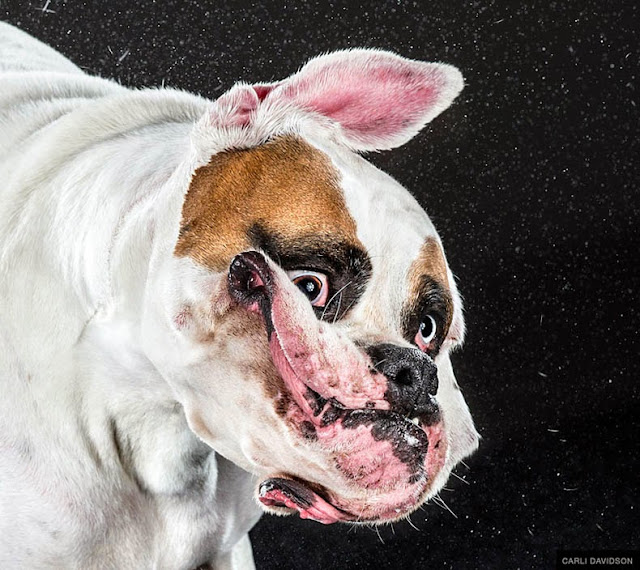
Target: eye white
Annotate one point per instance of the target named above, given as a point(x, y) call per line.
point(427, 329)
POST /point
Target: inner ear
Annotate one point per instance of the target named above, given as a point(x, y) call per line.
point(263, 89)
point(379, 99)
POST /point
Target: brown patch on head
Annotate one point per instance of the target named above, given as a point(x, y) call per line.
point(431, 262)
point(429, 290)
point(285, 187)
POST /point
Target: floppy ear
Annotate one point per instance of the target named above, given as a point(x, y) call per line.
point(380, 100)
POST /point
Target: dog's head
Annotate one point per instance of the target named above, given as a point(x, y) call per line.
point(305, 317)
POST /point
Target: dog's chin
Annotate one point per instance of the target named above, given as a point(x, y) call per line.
point(379, 467)
point(287, 495)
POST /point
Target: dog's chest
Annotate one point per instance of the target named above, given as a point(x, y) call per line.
point(182, 510)
point(110, 508)
point(134, 529)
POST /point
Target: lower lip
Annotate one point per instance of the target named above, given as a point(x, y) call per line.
point(363, 465)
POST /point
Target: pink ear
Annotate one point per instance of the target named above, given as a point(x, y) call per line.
point(380, 100)
point(235, 107)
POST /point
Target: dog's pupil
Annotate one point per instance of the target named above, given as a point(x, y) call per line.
point(426, 326)
point(309, 287)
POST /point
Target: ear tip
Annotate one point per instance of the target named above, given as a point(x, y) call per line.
point(453, 77)
point(448, 82)
point(448, 76)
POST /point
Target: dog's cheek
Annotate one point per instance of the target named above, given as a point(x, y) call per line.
point(234, 399)
point(461, 433)
point(238, 391)
point(241, 340)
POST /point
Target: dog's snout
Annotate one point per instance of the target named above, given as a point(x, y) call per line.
point(249, 277)
point(412, 376)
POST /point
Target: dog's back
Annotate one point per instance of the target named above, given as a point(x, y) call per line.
point(39, 85)
point(21, 52)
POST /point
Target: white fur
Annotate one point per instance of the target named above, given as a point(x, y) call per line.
point(91, 367)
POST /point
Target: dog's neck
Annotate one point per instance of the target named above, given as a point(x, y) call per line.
point(91, 244)
point(82, 287)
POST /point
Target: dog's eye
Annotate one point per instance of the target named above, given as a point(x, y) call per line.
point(426, 333)
point(314, 285)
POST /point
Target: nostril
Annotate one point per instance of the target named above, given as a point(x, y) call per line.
point(255, 281)
point(248, 275)
point(243, 278)
point(404, 377)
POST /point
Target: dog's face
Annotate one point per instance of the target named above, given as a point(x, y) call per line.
point(306, 314)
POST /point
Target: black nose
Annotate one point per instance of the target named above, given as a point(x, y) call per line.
point(413, 379)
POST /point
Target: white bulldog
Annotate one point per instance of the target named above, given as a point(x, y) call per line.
point(208, 307)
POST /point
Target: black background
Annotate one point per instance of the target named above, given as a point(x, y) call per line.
point(532, 180)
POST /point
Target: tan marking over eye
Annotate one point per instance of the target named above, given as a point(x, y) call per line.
point(286, 186)
point(430, 262)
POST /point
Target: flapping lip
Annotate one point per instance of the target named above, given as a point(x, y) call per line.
point(338, 403)
point(299, 496)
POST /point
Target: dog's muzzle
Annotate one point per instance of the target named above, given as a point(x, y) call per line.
point(372, 412)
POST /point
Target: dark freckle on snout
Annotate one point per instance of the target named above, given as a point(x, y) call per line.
point(331, 415)
point(308, 431)
point(384, 427)
point(282, 404)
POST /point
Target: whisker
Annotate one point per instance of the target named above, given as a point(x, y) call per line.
point(335, 317)
point(411, 523)
point(338, 292)
point(350, 305)
point(461, 479)
point(379, 363)
point(440, 502)
point(364, 506)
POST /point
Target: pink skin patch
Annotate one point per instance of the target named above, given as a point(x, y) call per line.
point(325, 360)
point(371, 100)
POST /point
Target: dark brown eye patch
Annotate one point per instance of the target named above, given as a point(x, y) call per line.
point(431, 299)
point(347, 266)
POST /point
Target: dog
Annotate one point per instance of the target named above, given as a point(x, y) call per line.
point(212, 309)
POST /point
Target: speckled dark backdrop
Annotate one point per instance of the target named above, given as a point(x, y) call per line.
point(531, 178)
